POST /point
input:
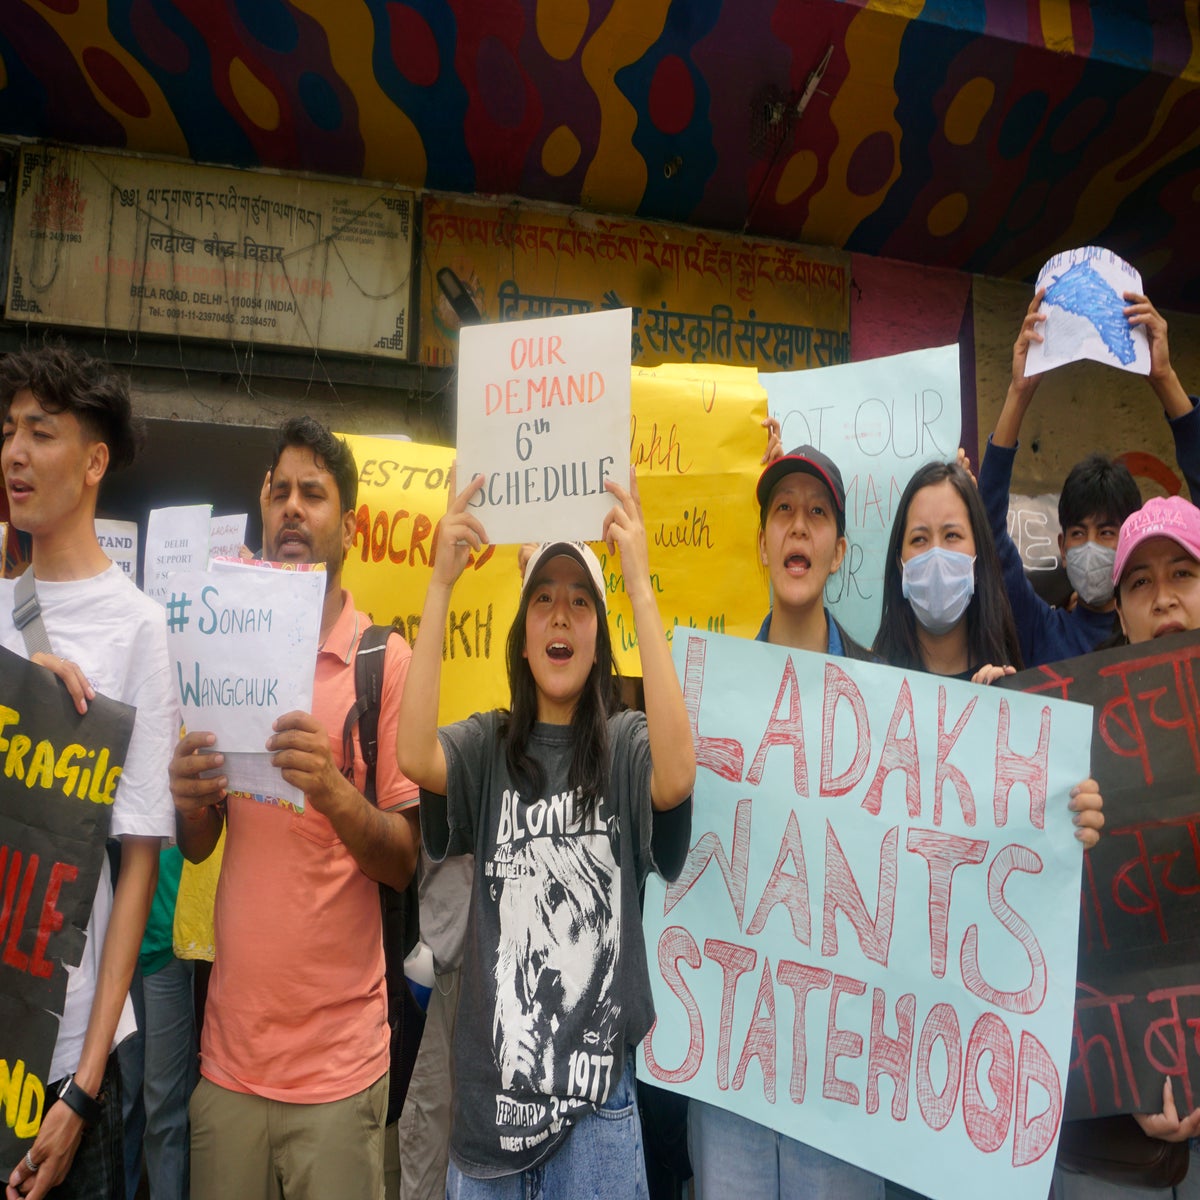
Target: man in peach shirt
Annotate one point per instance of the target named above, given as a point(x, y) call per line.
point(294, 1055)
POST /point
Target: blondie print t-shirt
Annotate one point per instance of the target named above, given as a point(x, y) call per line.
point(554, 985)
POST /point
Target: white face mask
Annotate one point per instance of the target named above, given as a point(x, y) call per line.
point(1090, 568)
point(939, 585)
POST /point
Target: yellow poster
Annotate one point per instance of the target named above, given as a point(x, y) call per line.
point(697, 296)
point(696, 441)
point(403, 489)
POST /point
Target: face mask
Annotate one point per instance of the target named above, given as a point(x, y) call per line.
point(939, 585)
point(1090, 568)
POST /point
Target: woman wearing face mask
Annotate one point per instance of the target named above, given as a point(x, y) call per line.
point(944, 607)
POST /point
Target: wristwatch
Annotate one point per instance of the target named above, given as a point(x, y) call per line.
point(78, 1101)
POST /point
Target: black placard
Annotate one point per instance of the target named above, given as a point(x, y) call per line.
point(58, 774)
point(1137, 1000)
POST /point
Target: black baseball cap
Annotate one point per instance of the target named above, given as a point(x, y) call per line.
point(810, 461)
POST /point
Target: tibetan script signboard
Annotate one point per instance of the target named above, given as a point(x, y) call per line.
point(111, 242)
point(1137, 1001)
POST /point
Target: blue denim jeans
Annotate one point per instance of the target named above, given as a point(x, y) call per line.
point(732, 1156)
point(97, 1171)
point(601, 1159)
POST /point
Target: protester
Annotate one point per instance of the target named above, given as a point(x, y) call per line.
point(294, 1049)
point(944, 609)
point(1096, 497)
point(1156, 578)
point(67, 422)
point(802, 541)
point(554, 990)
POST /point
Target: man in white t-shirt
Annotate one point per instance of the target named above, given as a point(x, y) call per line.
point(67, 421)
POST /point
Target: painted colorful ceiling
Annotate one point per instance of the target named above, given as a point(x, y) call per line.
point(980, 135)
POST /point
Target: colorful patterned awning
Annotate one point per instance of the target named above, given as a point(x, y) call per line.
point(981, 135)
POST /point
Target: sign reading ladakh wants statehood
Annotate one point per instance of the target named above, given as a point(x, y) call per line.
point(871, 945)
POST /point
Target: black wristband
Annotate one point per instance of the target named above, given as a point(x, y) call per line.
point(78, 1101)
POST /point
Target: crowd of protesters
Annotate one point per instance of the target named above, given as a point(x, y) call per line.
point(541, 988)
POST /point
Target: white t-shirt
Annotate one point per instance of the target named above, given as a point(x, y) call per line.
point(119, 639)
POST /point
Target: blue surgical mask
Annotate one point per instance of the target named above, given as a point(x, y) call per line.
point(939, 585)
point(1090, 570)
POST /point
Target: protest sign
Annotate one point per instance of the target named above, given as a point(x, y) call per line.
point(543, 415)
point(697, 444)
point(871, 944)
point(403, 489)
point(1138, 1000)
point(60, 774)
point(119, 540)
point(243, 646)
point(879, 421)
point(1084, 305)
point(176, 540)
point(226, 536)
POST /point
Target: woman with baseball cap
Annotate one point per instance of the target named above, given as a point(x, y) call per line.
point(1156, 572)
point(802, 541)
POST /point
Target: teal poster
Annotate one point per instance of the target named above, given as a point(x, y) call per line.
point(879, 420)
point(871, 946)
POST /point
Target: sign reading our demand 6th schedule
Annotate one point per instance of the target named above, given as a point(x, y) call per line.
point(543, 416)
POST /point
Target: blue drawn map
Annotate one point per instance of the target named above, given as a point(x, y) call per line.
point(1086, 293)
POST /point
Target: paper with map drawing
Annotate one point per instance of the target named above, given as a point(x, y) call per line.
point(1084, 306)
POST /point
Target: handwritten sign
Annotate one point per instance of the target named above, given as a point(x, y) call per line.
point(119, 540)
point(543, 415)
point(243, 645)
point(1084, 305)
point(402, 497)
point(871, 945)
point(696, 441)
point(176, 541)
point(1138, 998)
point(226, 536)
point(879, 421)
point(57, 784)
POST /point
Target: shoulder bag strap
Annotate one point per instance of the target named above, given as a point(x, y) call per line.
point(27, 615)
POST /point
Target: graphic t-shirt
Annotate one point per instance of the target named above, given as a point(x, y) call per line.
point(554, 984)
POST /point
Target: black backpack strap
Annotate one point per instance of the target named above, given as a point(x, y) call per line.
point(368, 691)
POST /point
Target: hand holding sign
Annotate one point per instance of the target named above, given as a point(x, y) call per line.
point(300, 749)
point(75, 680)
point(459, 533)
point(625, 529)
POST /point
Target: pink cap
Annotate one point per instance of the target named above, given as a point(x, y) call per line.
point(1171, 517)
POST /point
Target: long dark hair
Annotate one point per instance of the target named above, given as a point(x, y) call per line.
point(991, 632)
point(601, 696)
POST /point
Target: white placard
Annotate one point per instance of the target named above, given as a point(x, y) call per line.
point(1084, 306)
point(243, 643)
point(119, 540)
point(176, 541)
point(226, 536)
point(543, 415)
